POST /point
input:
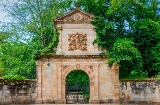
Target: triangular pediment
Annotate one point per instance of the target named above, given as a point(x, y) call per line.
point(76, 15)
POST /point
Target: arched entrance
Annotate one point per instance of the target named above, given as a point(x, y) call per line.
point(75, 51)
point(77, 87)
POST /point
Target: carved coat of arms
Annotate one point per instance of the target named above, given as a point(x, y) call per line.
point(77, 42)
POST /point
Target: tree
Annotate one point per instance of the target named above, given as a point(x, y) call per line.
point(3, 37)
point(118, 23)
point(33, 20)
point(126, 55)
point(133, 19)
point(156, 55)
point(17, 61)
point(34, 31)
point(77, 76)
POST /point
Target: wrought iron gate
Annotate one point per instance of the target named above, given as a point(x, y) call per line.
point(77, 92)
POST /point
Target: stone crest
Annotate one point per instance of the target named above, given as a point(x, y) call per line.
point(77, 17)
point(77, 42)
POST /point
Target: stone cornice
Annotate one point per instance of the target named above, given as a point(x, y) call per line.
point(50, 55)
point(79, 56)
point(140, 80)
point(71, 12)
point(87, 17)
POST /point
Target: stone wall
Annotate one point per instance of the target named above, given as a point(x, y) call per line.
point(52, 73)
point(140, 91)
point(24, 92)
point(17, 92)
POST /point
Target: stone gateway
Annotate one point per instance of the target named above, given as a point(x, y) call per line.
point(75, 51)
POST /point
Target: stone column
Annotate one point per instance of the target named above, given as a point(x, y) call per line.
point(63, 94)
point(94, 86)
point(39, 82)
point(60, 86)
point(59, 67)
point(116, 84)
point(91, 91)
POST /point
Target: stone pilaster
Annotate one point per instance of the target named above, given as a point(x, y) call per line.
point(116, 84)
point(64, 89)
point(59, 76)
point(96, 86)
point(39, 82)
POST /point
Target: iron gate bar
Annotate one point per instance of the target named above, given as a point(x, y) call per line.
point(78, 88)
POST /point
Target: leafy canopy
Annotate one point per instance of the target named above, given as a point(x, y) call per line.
point(118, 20)
point(31, 32)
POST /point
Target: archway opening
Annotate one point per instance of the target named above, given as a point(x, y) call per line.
point(77, 87)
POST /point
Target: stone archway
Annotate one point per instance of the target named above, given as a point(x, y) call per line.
point(51, 79)
point(77, 87)
point(75, 51)
point(88, 69)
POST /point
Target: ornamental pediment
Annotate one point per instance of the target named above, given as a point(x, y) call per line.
point(76, 15)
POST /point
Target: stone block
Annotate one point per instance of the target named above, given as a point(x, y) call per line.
point(116, 101)
point(38, 101)
point(49, 101)
point(60, 101)
point(94, 101)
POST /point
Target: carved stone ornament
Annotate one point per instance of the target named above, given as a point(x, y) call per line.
point(77, 42)
point(86, 68)
point(78, 17)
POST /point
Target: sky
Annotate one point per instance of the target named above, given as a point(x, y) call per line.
point(3, 14)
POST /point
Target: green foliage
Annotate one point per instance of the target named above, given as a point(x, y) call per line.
point(17, 61)
point(87, 96)
point(156, 55)
point(122, 51)
point(137, 20)
point(31, 35)
point(80, 77)
point(34, 21)
point(146, 40)
point(128, 31)
point(77, 76)
point(13, 77)
point(53, 43)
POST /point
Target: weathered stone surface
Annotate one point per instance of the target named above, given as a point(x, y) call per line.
point(140, 91)
point(94, 101)
point(60, 101)
point(131, 92)
point(16, 92)
point(75, 51)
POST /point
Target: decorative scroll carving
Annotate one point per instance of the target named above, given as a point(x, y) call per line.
point(89, 68)
point(78, 66)
point(77, 42)
point(68, 68)
point(77, 17)
point(65, 66)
